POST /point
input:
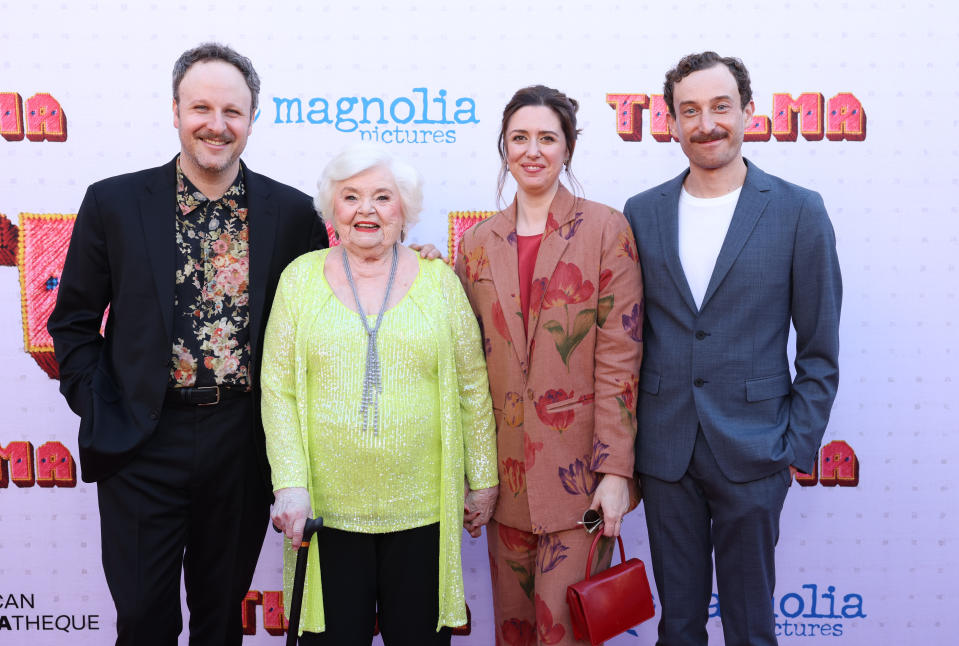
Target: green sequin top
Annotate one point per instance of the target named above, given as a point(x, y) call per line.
point(436, 421)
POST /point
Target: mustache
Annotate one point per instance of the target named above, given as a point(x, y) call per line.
point(209, 134)
point(714, 135)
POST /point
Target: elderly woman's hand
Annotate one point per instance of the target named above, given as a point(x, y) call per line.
point(291, 508)
point(479, 506)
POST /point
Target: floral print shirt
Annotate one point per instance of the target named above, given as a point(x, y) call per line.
point(211, 337)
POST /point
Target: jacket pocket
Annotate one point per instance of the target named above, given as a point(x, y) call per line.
point(569, 404)
point(762, 388)
point(649, 382)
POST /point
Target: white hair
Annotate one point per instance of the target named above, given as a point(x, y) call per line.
point(361, 157)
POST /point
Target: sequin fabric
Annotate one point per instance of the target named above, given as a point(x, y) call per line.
point(365, 481)
point(437, 423)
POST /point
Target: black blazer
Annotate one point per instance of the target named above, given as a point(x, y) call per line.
point(122, 254)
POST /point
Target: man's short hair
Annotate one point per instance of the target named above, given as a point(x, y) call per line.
point(696, 62)
point(217, 52)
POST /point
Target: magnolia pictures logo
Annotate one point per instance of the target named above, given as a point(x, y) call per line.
point(812, 610)
point(423, 116)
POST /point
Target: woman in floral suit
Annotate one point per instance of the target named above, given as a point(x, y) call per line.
point(555, 283)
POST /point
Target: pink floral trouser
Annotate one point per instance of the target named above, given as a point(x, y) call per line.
point(530, 574)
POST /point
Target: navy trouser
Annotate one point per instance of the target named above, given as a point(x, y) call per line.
point(705, 512)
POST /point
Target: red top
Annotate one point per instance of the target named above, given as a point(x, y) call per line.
point(527, 248)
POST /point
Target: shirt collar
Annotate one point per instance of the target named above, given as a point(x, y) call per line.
point(189, 197)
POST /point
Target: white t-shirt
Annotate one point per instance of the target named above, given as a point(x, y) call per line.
point(703, 223)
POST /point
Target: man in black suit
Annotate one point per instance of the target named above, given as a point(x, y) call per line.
point(187, 256)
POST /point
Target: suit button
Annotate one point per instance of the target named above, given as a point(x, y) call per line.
point(154, 415)
point(698, 382)
point(700, 335)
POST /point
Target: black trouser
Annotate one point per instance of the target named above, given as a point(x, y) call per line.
point(394, 575)
point(191, 499)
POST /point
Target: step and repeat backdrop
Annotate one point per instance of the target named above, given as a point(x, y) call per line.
point(856, 100)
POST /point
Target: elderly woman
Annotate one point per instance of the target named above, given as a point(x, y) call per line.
point(555, 280)
point(376, 405)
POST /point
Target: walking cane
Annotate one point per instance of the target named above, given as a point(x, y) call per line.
point(299, 578)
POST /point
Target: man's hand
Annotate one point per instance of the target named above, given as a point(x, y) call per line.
point(291, 508)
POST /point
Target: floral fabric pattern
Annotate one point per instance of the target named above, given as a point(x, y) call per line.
point(530, 450)
point(549, 633)
point(546, 410)
point(476, 262)
point(532, 572)
point(633, 323)
point(563, 384)
point(517, 632)
point(627, 400)
point(550, 552)
point(557, 384)
point(513, 473)
point(211, 292)
point(578, 479)
point(513, 409)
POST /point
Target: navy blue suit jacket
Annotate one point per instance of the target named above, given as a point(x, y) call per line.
point(724, 365)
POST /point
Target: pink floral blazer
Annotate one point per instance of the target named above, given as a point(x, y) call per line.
point(564, 396)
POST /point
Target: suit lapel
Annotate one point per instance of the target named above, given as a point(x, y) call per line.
point(504, 269)
point(263, 219)
point(563, 213)
point(752, 202)
point(667, 220)
point(158, 216)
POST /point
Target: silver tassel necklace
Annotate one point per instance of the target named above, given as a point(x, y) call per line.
point(372, 381)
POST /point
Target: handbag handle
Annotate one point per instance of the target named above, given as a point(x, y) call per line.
point(592, 549)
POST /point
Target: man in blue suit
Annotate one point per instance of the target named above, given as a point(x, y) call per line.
point(730, 256)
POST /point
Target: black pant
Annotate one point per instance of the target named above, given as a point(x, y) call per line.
point(398, 573)
point(191, 499)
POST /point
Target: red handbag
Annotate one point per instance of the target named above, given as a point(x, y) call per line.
point(611, 602)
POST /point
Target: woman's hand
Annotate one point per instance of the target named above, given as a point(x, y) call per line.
point(478, 508)
point(612, 496)
point(427, 251)
point(291, 508)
